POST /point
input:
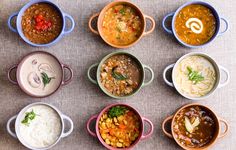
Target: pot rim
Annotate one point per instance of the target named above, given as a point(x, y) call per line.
point(119, 53)
point(17, 122)
point(19, 65)
point(101, 16)
point(218, 127)
point(106, 109)
point(212, 61)
point(214, 12)
point(21, 13)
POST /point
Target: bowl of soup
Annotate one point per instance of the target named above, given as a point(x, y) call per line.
point(39, 126)
point(41, 23)
point(39, 74)
point(120, 74)
point(119, 126)
point(121, 24)
point(196, 76)
point(195, 24)
point(195, 127)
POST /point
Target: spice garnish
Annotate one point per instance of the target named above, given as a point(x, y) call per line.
point(194, 76)
point(118, 76)
point(46, 79)
point(116, 111)
point(28, 117)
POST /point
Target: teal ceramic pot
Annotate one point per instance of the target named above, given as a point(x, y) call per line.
point(142, 69)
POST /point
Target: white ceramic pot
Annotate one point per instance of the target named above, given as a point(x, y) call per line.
point(18, 120)
point(218, 70)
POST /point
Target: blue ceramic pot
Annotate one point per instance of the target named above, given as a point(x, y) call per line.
point(174, 15)
point(19, 15)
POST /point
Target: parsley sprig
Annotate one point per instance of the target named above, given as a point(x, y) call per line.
point(28, 117)
point(116, 111)
point(194, 76)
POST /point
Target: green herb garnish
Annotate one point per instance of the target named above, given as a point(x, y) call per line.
point(46, 79)
point(118, 76)
point(194, 76)
point(28, 117)
point(122, 11)
point(116, 111)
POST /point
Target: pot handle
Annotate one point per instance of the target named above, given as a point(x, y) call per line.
point(90, 23)
point(66, 31)
point(88, 73)
point(164, 75)
point(9, 74)
point(164, 124)
point(9, 22)
point(227, 76)
point(164, 23)
point(66, 81)
point(226, 26)
point(226, 128)
point(150, 131)
point(88, 125)
point(153, 25)
point(65, 134)
point(13, 134)
point(152, 75)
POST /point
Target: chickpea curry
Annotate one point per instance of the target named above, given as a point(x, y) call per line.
point(194, 127)
point(41, 23)
point(122, 25)
point(195, 24)
point(121, 75)
point(119, 127)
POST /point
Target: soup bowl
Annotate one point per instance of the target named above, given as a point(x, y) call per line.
point(36, 71)
point(174, 15)
point(101, 15)
point(142, 120)
point(218, 75)
point(20, 14)
point(217, 131)
point(17, 120)
point(142, 68)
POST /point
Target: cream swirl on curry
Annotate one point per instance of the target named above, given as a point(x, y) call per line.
point(195, 76)
point(195, 25)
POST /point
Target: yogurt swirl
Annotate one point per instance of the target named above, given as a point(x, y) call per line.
point(195, 25)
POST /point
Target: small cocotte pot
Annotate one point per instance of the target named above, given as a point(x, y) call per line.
point(217, 67)
point(101, 15)
point(174, 15)
point(99, 65)
point(19, 81)
point(17, 118)
point(19, 15)
point(217, 135)
point(97, 117)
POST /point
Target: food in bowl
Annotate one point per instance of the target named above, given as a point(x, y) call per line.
point(41, 23)
point(122, 25)
point(40, 74)
point(195, 24)
point(194, 126)
point(195, 76)
point(119, 127)
point(121, 75)
point(40, 127)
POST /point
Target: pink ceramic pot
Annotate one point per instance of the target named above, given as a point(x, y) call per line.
point(141, 136)
point(18, 68)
